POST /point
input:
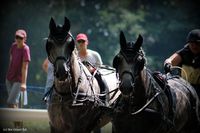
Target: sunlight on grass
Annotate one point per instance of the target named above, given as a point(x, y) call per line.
point(37, 127)
point(28, 126)
point(107, 128)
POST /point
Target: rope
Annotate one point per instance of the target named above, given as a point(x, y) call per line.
point(177, 67)
point(146, 105)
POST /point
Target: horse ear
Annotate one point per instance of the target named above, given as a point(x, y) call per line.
point(66, 25)
point(138, 43)
point(52, 25)
point(122, 40)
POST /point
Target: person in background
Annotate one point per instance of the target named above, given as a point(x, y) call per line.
point(18, 70)
point(189, 59)
point(86, 54)
point(91, 59)
point(48, 68)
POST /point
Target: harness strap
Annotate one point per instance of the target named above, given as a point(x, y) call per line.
point(162, 82)
point(77, 86)
point(147, 104)
point(170, 117)
point(115, 92)
point(102, 84)
point(47, 94)
point(92, 98)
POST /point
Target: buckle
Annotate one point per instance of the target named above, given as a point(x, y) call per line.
point(60, 98)
point(57, 98)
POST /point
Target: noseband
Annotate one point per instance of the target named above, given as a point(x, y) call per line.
point(60, 58)
point(134, 75)
point(57, 40)
point(66, 66)
point(127, 56)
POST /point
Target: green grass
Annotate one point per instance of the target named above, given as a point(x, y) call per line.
point(28, 126)
point(37, 127)
point(107, 128)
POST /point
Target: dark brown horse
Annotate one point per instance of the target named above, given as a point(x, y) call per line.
point(76, 103)
point(146, 106)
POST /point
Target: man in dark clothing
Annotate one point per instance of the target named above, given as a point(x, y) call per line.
point(189, 59)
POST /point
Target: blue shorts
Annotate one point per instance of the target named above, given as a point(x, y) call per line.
point(14, 89)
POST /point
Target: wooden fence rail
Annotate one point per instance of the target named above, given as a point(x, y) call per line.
point(9, 114)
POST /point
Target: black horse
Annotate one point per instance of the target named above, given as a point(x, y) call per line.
point(151, 103)
point(76, 104)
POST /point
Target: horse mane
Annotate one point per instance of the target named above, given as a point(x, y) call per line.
point(143, 54)
point(75, 52)
point(75, 60)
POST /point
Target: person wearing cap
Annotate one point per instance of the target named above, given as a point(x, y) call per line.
point(86, 54)
point(18, 68)
point(91, 59)
point(189, 59)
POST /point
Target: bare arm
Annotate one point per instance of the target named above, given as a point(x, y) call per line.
point(10, 59)
point(45, 65)
point(175, 59)
point(24, 75)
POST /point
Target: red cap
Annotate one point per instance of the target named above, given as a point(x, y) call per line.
point(81, 36)
point(21, 33)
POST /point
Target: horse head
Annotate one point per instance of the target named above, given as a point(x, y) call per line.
point(59, 47)
point(129, 62)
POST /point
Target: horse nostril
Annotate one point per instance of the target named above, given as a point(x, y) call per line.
point(126, 89)
point(57, 75)
point(61, 74)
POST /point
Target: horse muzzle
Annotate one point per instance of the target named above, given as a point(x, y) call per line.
point(126, 85)
point(61, 70)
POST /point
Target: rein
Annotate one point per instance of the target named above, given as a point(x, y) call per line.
point(77, 87)
point(146, 105)
point(158, 92)
point(95, 97)
point(127, 54)
point(148, 102)
point(78, 97)
point(76, 100)
point(79, 102)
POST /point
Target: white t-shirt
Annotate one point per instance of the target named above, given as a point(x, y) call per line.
point(93, 57)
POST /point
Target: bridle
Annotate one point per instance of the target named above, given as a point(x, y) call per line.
point(59, 42)
point(134, 76)
point(66, 66)
point(74, 87)
point(78, 97)
point(68, 71)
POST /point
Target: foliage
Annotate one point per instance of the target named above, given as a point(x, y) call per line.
point(163, 24)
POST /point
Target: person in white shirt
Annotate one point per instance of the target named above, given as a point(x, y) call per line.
point(91, 59)
point(86, 54)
